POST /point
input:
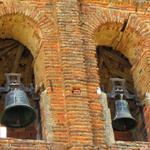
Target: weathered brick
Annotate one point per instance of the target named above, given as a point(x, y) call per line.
point(62, 36)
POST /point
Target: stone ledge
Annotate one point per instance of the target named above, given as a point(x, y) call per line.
point(131, 145)
point(25, 144)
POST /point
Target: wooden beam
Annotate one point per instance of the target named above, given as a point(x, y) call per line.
point(28, 71)
point(112, 55)
point(6, 43)
point(110, 59)
point(6, 50)
point(119, 73)
point(19, 52)
point(113, 70)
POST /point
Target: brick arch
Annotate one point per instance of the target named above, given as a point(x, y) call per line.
point(104, 28)
point(93, 21)
point(25, 17)
point(134, 42)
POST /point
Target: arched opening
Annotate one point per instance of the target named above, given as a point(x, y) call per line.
point(20, 43)
point(16, 58)
point(117, 50)
point(112, 64)
point(36, 32)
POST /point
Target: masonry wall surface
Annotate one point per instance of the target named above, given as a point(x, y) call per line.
point(62, 35)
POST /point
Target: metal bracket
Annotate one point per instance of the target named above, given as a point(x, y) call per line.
point(118, 87)
point(13, 80)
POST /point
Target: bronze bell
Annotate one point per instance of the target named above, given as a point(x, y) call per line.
point(123, 120)
point(18, 112)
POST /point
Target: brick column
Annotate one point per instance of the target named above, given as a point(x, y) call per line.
point(75, 84)
point(93, 81)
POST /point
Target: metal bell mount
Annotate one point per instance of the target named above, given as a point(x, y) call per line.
point(123, 120)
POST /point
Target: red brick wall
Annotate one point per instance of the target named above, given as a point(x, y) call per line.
point(65, 60)
point(18, 144)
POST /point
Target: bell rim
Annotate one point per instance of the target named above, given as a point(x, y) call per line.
point(21, 126)
point(131, 119)
point(20, 105)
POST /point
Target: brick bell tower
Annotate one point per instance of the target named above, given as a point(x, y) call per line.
point(68, 49)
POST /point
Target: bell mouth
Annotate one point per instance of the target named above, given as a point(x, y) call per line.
point(124, 124)
point(18, 116)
